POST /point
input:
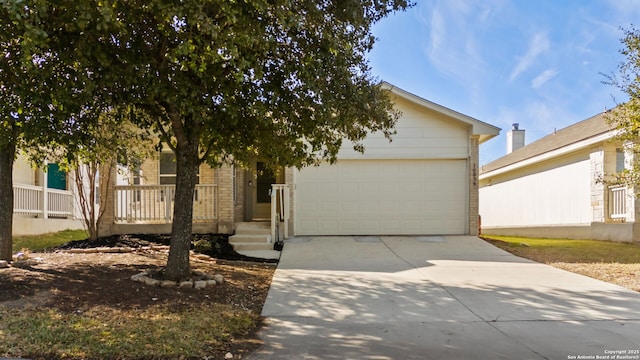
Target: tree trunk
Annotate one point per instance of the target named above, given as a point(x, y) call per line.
point(7, 154)
point(87, 173)
point(186, 175)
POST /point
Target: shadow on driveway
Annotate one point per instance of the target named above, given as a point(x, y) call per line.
point(403, 298)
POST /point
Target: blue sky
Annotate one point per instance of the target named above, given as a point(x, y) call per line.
point(536, 63)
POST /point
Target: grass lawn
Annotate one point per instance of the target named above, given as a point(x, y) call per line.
point(617, 263)
point(107, 333)
point(45, 241)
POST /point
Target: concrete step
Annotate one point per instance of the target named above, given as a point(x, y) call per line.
point(253, 228)
point(252, 236)
point(249, 238)
point(262, 246)
point(262, 254)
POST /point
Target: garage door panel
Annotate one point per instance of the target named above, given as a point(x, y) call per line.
point(362, 197)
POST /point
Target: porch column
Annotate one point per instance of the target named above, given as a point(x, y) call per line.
point(108, 178)
point(596, 159)
point(45, 194)
point(474, 195)
point(224, 179)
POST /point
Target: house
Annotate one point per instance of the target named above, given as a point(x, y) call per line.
point(423, 182)
point(554, 187)
point(43, 200)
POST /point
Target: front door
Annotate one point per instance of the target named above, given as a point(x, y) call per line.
point(56, 178)
point(261, 191)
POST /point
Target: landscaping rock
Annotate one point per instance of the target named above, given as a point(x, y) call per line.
point(211, 282)
point(25, 263)
point(168, 283)
point(4, 264)
point(186, 284)
point(151, 282)
point(201, 284)
point(218, 278)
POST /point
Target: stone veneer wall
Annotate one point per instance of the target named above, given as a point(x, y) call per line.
point(474, 195)
point(289, 180)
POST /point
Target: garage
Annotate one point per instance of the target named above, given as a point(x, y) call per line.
point(383, 197)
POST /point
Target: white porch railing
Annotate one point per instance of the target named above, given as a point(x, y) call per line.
point(153, 204)
point(617, 202)
point(39, 201)
point(280, 208)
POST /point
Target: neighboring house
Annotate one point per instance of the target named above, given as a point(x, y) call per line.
point(553, 187)
point(423, 182)
point(43, 201)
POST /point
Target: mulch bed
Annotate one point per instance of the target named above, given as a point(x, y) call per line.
point(75, 282)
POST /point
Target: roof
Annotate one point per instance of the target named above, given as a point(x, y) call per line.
point(485, 130)
point(577, 132)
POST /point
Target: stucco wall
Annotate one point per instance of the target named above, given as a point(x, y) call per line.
point(23, 173)
point(25, 225)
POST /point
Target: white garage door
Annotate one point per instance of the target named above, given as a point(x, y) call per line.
point(382, 197)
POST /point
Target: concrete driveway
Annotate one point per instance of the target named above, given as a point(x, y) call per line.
point(453, 297)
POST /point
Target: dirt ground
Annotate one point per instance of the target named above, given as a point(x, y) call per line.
point(74, 282)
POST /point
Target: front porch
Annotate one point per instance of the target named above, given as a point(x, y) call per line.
point(149, 209)
point(46, 203)
point(39, 209)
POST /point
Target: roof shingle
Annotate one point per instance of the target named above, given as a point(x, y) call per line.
point(582, 130)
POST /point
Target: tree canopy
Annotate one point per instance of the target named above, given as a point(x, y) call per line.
point(285, 81)
point(626, 115)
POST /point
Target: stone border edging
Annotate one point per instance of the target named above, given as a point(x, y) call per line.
point(206, 281)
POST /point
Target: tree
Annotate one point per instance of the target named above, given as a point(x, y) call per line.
point(284, 81)
point(48, 97)
point(31, 97)
point(113, 141)
point(626, 116)
point(229, 80)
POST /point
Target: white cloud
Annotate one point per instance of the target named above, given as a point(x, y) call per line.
point(625, 8)
point(453, 44)
point(438, 30)
point(538, 45)
point(543, 78)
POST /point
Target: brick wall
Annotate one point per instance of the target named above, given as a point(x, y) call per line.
point(226, 207)
point(240, 181)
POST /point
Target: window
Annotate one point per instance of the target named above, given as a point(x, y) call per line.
point(168, 169)
point(619, 160)
point(136, 179)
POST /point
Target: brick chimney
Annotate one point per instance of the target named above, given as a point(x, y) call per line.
point(515, 138)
